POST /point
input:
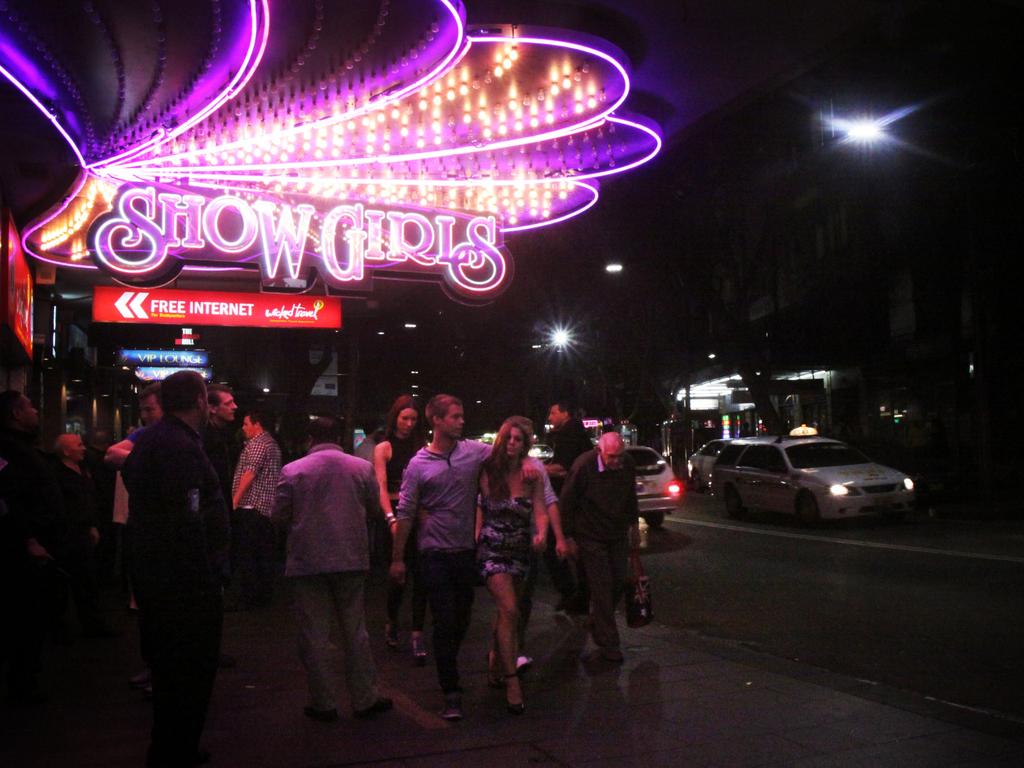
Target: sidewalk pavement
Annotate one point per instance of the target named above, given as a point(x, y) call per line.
point(678, 700)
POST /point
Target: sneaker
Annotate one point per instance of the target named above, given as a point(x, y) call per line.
point(380, 705)
point(419, 650)
point(523, 663)
point(391, 636)
point(452, 707)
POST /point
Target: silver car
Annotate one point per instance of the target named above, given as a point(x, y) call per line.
point(813, 478)
point(700, 464)
point(658, 491)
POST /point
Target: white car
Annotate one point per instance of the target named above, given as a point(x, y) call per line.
point(699, 465)
point(658, 490)
point(813, 478)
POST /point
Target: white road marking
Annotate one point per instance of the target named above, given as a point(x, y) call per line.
point(850, 542)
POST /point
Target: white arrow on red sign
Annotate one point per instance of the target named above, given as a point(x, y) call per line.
point(129, 304)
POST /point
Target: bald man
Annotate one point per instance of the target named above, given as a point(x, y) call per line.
point(599, 511)
point(79, 561)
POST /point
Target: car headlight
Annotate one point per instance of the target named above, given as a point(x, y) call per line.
point(908, 483)
point(838, 490)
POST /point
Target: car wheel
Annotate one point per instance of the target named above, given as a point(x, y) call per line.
point(654, 519)
point(733, 503)
point(807, 509)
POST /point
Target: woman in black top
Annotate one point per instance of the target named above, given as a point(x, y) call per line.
point(403, 437)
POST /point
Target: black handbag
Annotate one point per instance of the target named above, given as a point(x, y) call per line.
point(639, 610)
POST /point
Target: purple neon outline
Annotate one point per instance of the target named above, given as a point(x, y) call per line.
point(578, 127)
point(241, 79)
point(458, 51)
point(46, 113)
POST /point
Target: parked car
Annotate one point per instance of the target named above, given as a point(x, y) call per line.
point(658, 490)
point(813, 478)
point(699, 465)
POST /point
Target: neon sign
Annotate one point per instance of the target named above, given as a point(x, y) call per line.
point(149, 235)
point(248, 310)
point(411, 151)
point(164, 357)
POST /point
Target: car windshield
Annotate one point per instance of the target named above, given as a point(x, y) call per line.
point(647, 461)
point(814, 455)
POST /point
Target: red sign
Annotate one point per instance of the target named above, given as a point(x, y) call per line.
point(250, 310)
point(16, 291)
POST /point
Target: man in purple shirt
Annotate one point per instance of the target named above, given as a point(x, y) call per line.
point(439, 489)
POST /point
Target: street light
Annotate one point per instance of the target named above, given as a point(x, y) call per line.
point(561, 338)
point(613, 268)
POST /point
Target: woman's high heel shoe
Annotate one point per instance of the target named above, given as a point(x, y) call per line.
point(517, 708)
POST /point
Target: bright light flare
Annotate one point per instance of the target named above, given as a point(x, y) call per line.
point(865, 131)
point(561, 338)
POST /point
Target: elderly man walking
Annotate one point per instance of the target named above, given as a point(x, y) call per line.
point(599, 510)
point(323, 499)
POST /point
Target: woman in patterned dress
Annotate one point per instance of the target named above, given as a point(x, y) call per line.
point(511, 518)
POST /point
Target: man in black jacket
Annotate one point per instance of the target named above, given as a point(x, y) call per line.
point(33, 527)
point(179, 528)
point(569, 440)
point(600, 511)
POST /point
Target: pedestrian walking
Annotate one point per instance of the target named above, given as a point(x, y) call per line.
point(439, 491)
point(599, 510)
point(403, 437)
point(511, 520)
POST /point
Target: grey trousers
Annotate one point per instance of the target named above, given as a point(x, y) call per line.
point(606, 566)
point(318, 600)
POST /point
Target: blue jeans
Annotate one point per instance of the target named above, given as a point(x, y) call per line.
point(450, 579)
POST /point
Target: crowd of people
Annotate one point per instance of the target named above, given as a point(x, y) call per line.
point(196, 516)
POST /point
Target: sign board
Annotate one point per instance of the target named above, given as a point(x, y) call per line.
point(159, 373)
point(180, 358)
point(246, 310)
point(15, 285)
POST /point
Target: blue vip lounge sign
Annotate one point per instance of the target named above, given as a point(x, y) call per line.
point(176, 358)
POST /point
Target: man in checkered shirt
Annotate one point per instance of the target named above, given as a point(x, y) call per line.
point(252, 496)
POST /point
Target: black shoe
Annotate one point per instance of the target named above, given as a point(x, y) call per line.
point(452, 707)
point(382, 704)
point(321, 715)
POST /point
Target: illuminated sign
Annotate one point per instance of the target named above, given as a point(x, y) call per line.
point(251, 310)
point(15, 285)
point(148, 236)
point(159, 373)
point(414, 160)
point(192, 358)
point(591, 423)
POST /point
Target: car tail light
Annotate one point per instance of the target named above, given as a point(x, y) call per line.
point(675, 488)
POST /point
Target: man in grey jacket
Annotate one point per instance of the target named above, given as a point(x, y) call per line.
point(323, 499)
